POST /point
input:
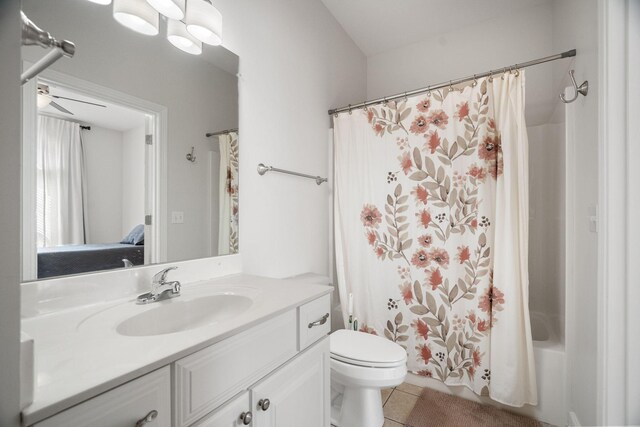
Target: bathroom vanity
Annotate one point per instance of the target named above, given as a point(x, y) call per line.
point(237, 350)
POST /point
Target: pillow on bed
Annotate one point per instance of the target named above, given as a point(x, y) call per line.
point(135, 237)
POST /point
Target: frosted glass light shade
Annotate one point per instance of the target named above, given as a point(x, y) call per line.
point(137, 15)
point(204, 22)
point(178, 36)
point(103, 2)
point(43, 100)
point(172, 9)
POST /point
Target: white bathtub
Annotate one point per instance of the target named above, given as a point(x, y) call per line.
point(548, 350)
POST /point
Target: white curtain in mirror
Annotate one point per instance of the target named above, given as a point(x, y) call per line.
point(228, 220)
point(60, 194)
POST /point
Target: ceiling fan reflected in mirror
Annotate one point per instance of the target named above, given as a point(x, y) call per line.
point(46, 98)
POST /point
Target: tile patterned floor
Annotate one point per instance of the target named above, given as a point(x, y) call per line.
point(399, 401)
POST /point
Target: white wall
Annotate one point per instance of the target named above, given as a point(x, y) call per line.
point(133, 179)
point(546, 220)
point(575, 26)
point(519, 36)
point(10, 149)
point(103, 156)
point(199, 96)
point(296, 62)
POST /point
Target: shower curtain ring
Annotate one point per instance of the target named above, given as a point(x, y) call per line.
point(450, 86)
point(428, 91)
point(504, 71)
point(490, 76)
point(405, 97)
point(475, 81)
point(349, 109)
point(517, 73)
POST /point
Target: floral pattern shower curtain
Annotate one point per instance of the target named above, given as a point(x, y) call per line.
point(431, 213)
point(228, 207)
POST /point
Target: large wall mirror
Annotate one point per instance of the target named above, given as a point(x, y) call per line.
point(118, 170)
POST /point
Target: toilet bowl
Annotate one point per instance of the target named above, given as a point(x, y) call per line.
point(361, 366)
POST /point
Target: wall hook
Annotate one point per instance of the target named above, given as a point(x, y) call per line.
point(583, 89)
point(191, 156)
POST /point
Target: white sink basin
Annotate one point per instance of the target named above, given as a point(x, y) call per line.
point(176, 315)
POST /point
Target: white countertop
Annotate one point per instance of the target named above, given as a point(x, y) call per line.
point(79, 354)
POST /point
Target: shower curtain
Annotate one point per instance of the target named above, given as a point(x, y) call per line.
point(228, 218)
point(61, 183)
point(431, 223)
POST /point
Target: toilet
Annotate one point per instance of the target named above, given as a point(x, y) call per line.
point(361, 366)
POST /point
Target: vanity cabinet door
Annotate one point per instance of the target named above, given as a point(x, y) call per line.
point(296, 394)
point(233, 414)
point(124, 406)
point(208, 378)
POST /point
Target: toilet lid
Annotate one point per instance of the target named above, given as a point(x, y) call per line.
point(362, 349)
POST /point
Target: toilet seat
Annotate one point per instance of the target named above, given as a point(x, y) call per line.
point(366, 350)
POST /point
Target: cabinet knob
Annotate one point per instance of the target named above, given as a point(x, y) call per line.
point(147, 418)
point(264, 404)
point(246, 418)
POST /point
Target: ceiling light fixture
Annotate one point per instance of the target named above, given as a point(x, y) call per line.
point(137, 15)
point(190, 23)
point(204, 22)
point(178, 36)
point(43, 100)
point(172, 9)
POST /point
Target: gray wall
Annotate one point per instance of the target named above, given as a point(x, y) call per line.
point(9, 211)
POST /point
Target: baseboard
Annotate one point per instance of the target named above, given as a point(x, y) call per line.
point(573, 419)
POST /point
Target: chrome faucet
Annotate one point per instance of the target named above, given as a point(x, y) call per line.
point(160, 288)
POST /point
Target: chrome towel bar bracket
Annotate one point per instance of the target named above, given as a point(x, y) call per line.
point(262, 169)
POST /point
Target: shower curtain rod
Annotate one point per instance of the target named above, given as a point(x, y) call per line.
point(349, 107)
point(222, 132)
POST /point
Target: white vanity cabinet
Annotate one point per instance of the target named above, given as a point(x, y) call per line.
point(232, 414)
point(275, 373)
point(145, 401)
point(297, 394)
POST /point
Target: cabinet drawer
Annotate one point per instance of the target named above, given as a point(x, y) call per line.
point(123, 406)
point(315, 321)
point(229, 414)
point(210, 377)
